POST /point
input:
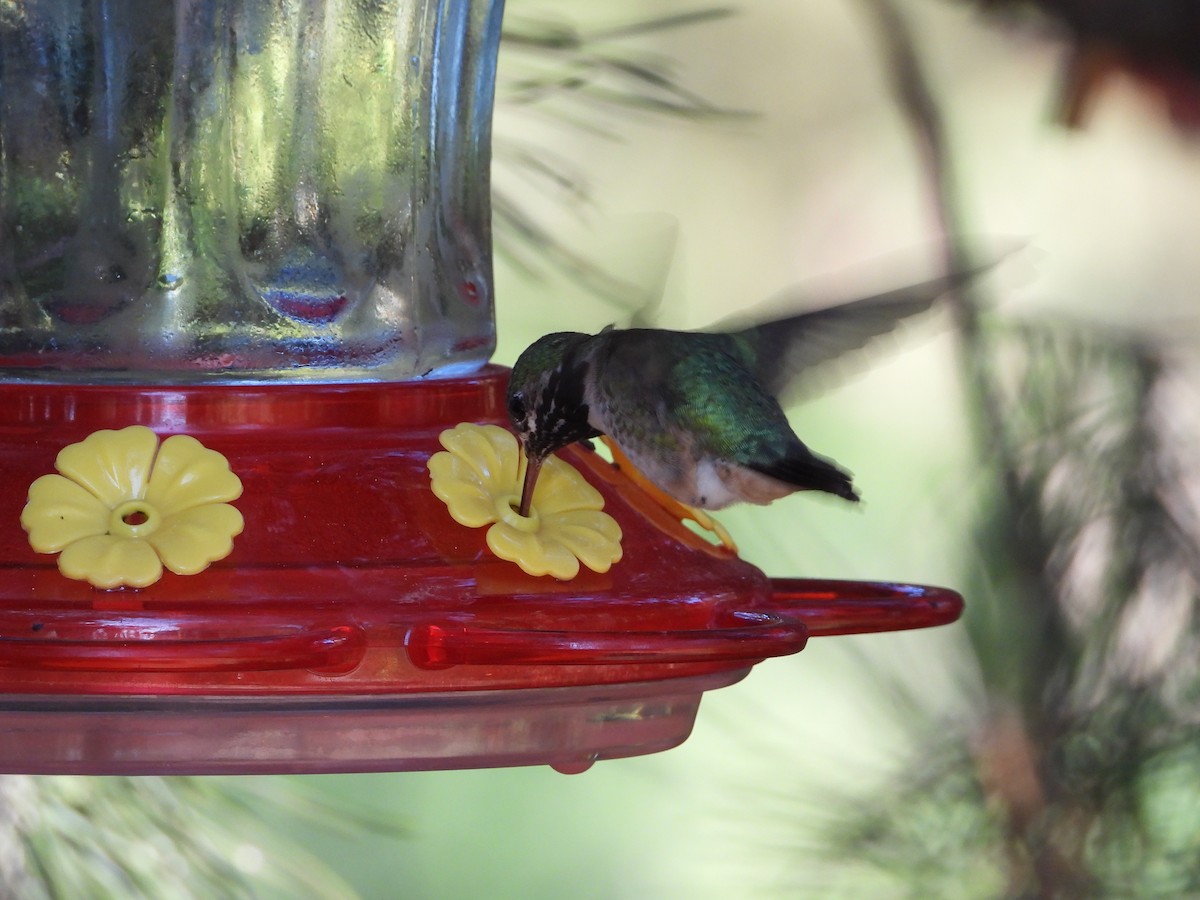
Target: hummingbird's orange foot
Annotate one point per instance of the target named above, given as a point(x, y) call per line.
point(676, 508)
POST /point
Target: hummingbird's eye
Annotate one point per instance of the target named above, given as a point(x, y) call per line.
point(516, 407)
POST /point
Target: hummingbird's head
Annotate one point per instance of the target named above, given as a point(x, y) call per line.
point(546, 395)
point(546, 402)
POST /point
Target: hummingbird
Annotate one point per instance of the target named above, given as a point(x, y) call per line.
point(698, 412)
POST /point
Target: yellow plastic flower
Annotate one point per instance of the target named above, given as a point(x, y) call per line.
point(122, 507)
point(478, 476)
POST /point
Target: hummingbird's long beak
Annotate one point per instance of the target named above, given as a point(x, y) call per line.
point(532, 467)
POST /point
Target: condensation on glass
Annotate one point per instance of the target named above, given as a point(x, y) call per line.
point(239, 190)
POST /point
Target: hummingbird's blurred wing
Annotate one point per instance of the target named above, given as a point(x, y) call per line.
point(783, 352)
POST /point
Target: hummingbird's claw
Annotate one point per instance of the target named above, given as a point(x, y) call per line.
point(708, 523)
point(675, 507)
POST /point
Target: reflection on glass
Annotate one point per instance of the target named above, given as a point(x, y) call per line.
point(224, 189)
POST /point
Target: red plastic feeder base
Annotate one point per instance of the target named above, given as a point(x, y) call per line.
point(356, 626)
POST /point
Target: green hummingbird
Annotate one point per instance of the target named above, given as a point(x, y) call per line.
point(697, 412)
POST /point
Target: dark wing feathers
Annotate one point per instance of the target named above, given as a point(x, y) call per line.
point(782, 351)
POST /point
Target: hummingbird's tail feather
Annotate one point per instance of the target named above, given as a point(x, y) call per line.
point(809, 472)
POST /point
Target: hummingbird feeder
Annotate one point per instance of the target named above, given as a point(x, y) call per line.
point(256, 512)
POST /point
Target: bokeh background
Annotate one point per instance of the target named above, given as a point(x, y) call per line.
point(1032, 445)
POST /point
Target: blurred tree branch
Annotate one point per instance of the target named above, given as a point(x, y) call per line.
point(573, 77)
point(1089, 578)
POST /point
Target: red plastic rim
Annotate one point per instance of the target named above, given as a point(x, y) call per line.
point(352, 579)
